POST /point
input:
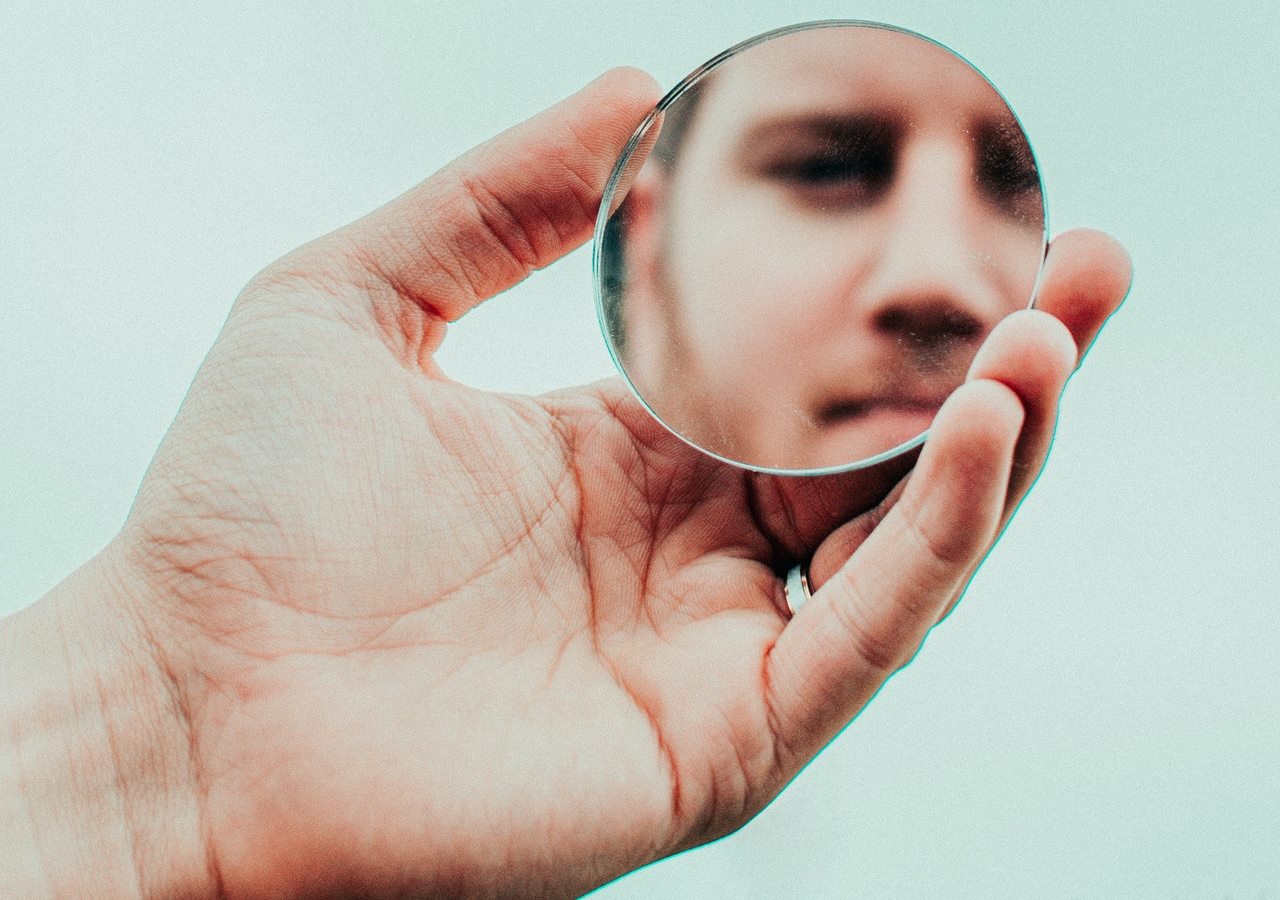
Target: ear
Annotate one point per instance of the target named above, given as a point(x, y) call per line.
point(645, 316)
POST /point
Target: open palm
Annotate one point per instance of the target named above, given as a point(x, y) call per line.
point(427, 640)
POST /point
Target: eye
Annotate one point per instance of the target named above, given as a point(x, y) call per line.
point(836, 165)
point(1005, 171)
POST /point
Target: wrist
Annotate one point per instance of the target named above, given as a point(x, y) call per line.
point(98, 792)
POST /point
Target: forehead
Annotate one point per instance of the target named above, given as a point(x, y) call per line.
point(848, 69)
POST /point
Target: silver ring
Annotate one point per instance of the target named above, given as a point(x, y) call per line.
point(796, 588)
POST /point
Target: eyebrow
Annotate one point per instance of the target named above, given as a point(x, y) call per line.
point(778, 131)
point(1001, 128)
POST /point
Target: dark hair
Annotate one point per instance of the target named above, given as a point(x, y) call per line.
point(677, 118)
point(676, 121)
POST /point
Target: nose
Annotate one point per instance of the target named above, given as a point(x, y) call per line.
point(927, 287)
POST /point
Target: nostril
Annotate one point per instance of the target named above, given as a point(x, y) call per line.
point(930, 324)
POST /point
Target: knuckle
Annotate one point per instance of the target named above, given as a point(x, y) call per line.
point(878, 645)
point(941, 552)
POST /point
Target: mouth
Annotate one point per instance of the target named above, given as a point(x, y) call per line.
point(846, 410)
point(856, 428)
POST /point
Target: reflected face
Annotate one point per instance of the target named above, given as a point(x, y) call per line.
point(838, 219)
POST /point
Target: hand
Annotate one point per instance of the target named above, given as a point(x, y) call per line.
point(414, 638)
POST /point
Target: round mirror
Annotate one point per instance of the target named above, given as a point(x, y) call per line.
point(806, 241)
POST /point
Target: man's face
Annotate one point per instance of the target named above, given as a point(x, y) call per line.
point(849, 213)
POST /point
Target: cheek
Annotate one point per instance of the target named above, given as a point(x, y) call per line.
point(1015, 253)
point(761, 281)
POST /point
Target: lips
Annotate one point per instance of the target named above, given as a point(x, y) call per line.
point(851, 409)
point(870, 407)
point(858, 428)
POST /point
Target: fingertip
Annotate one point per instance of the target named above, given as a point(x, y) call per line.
point(1032, 354)
point(1095, 254)
point(1087, 277)
point(1059, 352)
point(603, 115)
point(613, 104)
point(630, 83)
point(983, 416)
point(1108, 259)
point(1030, 351)
point(961, 480)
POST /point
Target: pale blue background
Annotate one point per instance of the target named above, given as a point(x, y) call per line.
point(1101, 718)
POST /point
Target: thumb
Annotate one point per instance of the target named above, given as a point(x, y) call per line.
point(478, 226)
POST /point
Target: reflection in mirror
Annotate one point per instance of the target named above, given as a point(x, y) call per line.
point(801, 266)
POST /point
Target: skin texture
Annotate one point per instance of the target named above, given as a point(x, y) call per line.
point(850, 210)
point(369, 632)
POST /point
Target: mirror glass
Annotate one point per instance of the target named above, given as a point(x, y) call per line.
point(804, 244)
